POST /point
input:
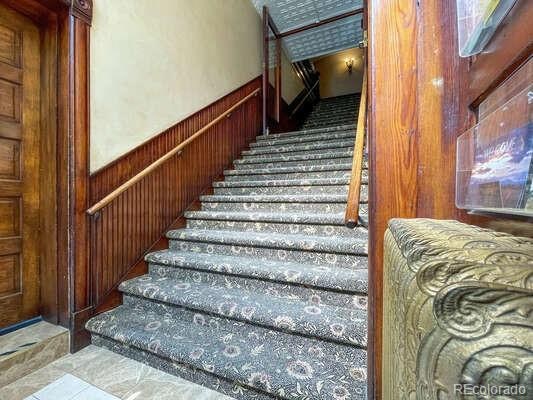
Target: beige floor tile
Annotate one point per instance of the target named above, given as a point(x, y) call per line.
point(83, 358)
point(30, 384)
point(29, 349)
point(111, 372)
point(33, 333)
point(162, 386)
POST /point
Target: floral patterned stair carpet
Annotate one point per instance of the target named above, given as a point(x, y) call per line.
point(333, 111)
point(263, 295)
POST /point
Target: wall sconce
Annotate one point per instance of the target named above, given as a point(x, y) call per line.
point(349, 64)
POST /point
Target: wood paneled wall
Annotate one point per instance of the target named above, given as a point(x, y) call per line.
point(421, 97)
point(122, 232)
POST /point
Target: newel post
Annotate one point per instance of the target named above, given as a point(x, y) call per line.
point(75, 36)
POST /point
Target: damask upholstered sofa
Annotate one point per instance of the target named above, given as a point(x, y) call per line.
point(458, 312)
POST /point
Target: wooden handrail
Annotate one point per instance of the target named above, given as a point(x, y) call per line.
point(352, 208)
point(176, 150)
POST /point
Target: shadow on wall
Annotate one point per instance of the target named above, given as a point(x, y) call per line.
point(335, 79)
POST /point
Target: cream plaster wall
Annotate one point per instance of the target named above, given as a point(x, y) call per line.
point(334, 77)
point(291, 84)
point(155, 62)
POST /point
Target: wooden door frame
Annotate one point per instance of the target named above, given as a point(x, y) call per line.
point(65, 27)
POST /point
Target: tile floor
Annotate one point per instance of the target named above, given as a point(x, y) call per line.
point(68, 387)
point(29, 349)
point(98, 374)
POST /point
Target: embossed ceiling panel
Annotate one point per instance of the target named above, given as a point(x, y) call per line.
point(328, 38)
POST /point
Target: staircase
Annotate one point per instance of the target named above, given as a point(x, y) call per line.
point(333, 111)
point(263, 295)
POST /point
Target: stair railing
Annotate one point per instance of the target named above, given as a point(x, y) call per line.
point(160, 161)
point(351, 218)
point(304, 98)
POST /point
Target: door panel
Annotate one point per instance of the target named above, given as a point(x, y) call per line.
point(19, 167)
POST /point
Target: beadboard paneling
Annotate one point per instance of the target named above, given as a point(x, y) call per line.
point(122, 232)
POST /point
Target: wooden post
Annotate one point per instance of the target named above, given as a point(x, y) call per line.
point(277, 110)
point(265, 70)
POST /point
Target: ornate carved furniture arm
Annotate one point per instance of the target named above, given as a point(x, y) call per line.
point(458, 310)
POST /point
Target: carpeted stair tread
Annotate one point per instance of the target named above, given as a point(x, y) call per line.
point(288, 157)
point(273, 216)
point(342, 127)
point(267, 240)
point(283, 365)
point(302, 147)
point(275, 189)
point(340, 135)
point(290, 221)
point(289, 170)
point(254, 307)
point(284, 182)
point(278, 198)
point(286, 272)
point(302, 163)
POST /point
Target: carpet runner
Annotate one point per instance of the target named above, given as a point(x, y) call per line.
point(263, 295)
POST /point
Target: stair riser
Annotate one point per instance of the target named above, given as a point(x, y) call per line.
point(345, 109)
point(338, 115)
point(290, 170)
point(267, 318)
point(308, 163)
point(283, 157)
point(344, 174)
point(290, 176)
point(285, 228)
point(250, 154)
point(282, 207)
point(325, 123)
point(347, 280)
point(265, 253)
point(296, 149)
point(333, 117)
point(327, 189)
point(345, 106)
point(294, 190)
point(280, 290)
point(307, 132)
point(181, 370)
point(307, 139)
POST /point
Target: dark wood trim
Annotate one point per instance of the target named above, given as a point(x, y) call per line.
point(78, 167)
point(266, 83)
point(320, 23)
point(81, 9)
point(277, 82)
point(49, 279)
point(65, 113)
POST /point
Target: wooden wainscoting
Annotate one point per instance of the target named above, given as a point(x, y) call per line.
point(123, 231)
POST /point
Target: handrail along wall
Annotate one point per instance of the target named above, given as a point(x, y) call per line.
point(160, 161)
point(125, 223)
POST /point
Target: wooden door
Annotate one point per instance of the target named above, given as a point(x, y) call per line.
point(19, 167)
